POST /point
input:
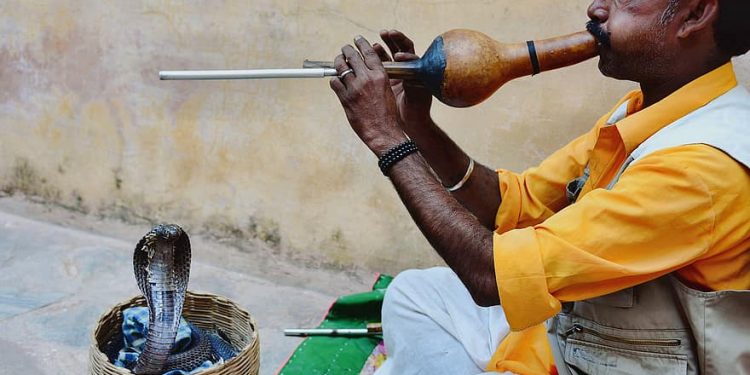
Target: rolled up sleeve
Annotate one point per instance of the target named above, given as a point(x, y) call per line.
point(521, 279)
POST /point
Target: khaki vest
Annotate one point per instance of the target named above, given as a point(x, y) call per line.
point(663, 326)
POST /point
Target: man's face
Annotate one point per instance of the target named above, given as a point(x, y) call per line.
point(642, 42)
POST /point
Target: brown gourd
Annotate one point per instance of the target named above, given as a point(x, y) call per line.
point(464, 67)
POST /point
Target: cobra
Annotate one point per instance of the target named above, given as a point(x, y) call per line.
point(161, 262)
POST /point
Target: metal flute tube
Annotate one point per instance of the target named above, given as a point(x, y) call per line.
point(311, 69)
point(395, 70)
point(246, 74)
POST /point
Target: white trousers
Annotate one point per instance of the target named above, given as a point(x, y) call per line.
point(431, 325)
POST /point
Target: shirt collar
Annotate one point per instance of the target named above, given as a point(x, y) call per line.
point(639, 124)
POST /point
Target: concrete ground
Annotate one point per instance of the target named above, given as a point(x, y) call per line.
point(60, 270)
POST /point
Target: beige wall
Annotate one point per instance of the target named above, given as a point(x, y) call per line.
point(84, 121)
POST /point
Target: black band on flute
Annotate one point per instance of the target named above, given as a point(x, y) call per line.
point(395, 155)
point(534, 58)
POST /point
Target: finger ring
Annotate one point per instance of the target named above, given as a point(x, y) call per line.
point(345, 72)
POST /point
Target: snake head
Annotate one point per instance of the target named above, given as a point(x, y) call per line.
point(165, 247)
point(166, 232)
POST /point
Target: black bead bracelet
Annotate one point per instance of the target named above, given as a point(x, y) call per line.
point(395, 155)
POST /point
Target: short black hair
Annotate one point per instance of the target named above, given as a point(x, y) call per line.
point(732, 27)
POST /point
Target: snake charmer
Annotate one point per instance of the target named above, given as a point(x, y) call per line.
point(627, 251)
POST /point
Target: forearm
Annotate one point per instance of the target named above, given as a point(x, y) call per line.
point(455, 233)
point(481, 193)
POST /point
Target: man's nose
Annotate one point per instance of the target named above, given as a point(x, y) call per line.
point(599, 11)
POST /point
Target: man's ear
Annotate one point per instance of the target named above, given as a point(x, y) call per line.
point(701, 15)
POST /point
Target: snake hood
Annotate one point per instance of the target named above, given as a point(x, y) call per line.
point(161, 262)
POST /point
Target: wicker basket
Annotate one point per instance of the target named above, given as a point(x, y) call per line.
point(205, 311)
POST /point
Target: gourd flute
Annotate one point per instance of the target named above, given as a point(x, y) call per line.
point(461, 67)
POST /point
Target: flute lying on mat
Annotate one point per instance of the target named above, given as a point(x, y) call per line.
point(461, 67)
point(371, 330)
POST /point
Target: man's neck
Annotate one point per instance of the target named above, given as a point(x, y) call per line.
point(655, 91)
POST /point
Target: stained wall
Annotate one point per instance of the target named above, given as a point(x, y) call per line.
point(85, 122)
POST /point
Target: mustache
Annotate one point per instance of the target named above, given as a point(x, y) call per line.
point(595, 28)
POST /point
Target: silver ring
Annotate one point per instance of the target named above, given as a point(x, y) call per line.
point(345, 72)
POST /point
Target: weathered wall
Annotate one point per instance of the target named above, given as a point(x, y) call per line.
point(84, 121)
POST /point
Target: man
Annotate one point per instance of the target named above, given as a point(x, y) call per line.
point(633, 240)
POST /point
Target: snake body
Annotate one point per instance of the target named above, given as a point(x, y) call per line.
point(161, 263)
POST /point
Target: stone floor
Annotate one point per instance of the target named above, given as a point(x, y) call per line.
point(60, 270)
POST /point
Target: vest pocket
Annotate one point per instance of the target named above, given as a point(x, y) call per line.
point(589, 358)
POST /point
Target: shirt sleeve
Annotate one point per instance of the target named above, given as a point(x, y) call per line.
point(536, 194)
point(658, 218)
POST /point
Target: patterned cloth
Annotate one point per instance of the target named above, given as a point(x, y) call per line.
point(375, 360)
point(134, 331)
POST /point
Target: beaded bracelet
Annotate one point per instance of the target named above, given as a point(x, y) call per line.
point(395, 155)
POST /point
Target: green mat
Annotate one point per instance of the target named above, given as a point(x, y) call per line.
point(341, 355)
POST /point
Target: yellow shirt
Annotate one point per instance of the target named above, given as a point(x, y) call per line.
point(684, 210)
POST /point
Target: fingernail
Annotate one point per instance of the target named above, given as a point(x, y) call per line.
point(359, 37)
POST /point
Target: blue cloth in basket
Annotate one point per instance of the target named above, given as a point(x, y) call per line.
point(134, 331)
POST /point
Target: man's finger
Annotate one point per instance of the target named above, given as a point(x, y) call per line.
point(384, 56)
point(341, 66)
point(386, 36)
point(339, 63)
point(354, 60)
point(371, 58)
point(403, 43)
point(405, 56)
point(337, 86)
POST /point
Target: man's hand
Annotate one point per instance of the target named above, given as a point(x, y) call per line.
point(367, 98)
point(413, 100)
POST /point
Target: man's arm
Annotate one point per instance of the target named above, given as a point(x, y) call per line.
point(455, 233)
point(480, 194)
